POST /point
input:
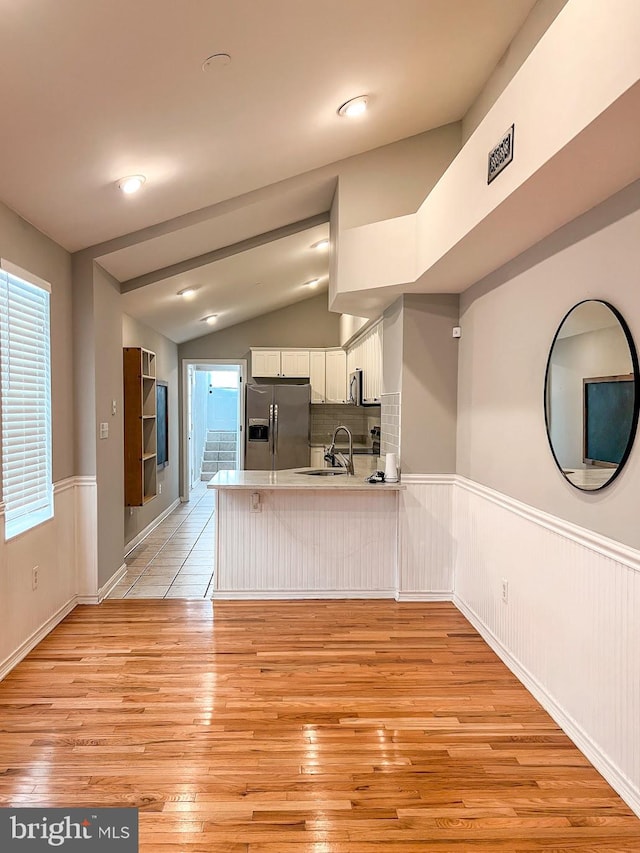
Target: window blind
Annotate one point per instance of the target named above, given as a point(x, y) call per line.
point(25, 399)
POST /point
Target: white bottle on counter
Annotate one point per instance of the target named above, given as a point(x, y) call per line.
point(391, 468)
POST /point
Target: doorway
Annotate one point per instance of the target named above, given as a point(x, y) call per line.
point(213, 410)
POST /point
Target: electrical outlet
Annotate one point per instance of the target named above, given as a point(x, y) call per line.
point(256, 506)
point(159, 488)
point(34, 577)
point(505, 590)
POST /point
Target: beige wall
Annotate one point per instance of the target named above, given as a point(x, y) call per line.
point(84, 367)
point(392, 321)
point(429, 384)
point(420, 361)
point(508, 322)
point(50, 546)
point(305, 324)
point(394, 179)
point(26, 247)
point(135, 334)
point(109, 451)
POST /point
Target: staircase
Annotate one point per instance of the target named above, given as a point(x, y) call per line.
point(220, 453)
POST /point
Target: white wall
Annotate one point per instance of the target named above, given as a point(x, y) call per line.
point(465, 228)
point(537, 23)
point(199, 414)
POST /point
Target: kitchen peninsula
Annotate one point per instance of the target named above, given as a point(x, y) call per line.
point(285, 534)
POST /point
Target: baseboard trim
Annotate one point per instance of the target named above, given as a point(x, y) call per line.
point(437, 595)
point(31, 642)
point(297, 594)
point(618, 781)
point(128, 548)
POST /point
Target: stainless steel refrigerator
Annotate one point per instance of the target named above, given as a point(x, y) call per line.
point(277, 427)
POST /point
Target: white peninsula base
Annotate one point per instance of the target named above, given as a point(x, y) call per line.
point(285, 535)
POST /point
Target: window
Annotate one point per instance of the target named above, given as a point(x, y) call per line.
point(25, 399)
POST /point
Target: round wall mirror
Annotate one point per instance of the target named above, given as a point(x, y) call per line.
point(592, 394)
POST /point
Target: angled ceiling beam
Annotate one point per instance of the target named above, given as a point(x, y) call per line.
point(225, 252)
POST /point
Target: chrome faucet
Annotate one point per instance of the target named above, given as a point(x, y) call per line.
point(331, 456)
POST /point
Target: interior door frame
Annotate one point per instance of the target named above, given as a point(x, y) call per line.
point(185, 453)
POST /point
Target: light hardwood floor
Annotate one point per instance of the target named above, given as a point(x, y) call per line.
point(298, 727)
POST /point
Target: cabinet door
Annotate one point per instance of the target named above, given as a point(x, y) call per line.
point(336, 376)
point(317, 457)
point(373, 365)
point(294, 363)
point(317, 376)
point(265, 362)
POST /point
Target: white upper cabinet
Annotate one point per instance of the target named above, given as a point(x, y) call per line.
point(366, 355)
point(265, 362)
point(317, 375)
point(326, 370)
point(335, 376)
point(294, 363)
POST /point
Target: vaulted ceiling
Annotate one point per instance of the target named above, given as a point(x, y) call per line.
point(94, 91)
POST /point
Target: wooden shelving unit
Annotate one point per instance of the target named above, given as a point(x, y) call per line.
point(140, 429)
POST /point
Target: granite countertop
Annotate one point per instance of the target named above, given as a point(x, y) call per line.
point(293, 479)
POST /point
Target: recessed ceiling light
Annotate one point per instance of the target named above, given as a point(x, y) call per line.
point(354, 107)
point(187, 292)
point(321, 244)
point(313, 283)
point(131, 184)
point(210, 319)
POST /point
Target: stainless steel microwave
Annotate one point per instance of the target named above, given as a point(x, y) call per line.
point(356, 391)
point(355, 388)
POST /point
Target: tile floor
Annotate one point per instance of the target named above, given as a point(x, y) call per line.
point(176, 559)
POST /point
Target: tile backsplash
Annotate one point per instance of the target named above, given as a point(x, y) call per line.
point(359, 419)
point(390, 424)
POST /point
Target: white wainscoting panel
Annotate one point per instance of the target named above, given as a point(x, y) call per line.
point(28, 614)
point(307, 544)
point(86, 550)
point(570, 629)
point(425, 538)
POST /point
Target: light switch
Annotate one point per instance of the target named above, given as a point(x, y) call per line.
point(104, 430)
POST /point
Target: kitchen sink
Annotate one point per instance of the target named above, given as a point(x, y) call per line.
point(323, 472)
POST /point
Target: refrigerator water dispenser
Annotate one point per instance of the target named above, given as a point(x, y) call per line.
point(258, 429)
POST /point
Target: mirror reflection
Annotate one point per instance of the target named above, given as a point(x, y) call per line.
point(591, 394)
